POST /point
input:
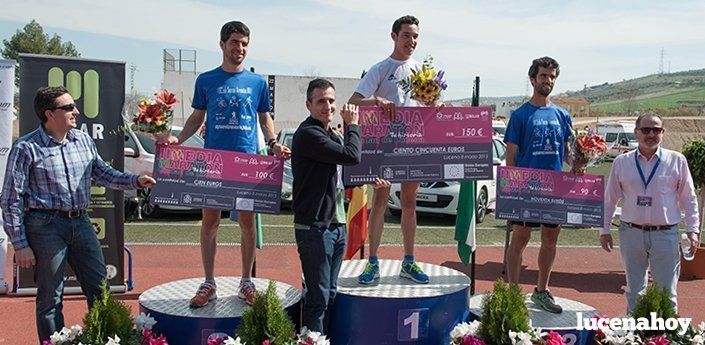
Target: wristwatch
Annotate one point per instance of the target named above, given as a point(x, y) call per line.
point(271, 142)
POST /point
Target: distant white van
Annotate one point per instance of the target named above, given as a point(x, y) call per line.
point(619, 136)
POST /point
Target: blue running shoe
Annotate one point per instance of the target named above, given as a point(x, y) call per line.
point(370, 275)
point(412, 271)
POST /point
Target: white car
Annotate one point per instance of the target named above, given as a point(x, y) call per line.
point(285, 137)
point(139, 159)
point(442, 197)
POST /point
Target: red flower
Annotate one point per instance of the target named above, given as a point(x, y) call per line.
point(265, 342)
point(158, 341)
point(215, 341)
point(658, 340)
point(153, 113)
point(597, 318)
point(554, 338)
point(471, 340)
point(166, 98)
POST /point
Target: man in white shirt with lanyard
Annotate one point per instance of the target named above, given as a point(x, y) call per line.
point(655, 185)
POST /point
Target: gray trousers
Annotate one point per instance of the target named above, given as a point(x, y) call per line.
point(641, 249)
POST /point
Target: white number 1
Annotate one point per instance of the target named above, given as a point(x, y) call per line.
point(413, 319)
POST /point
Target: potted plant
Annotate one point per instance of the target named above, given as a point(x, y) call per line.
point(505, 321)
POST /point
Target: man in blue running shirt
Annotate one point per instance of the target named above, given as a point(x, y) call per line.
point(235, 102)
point(537, 137)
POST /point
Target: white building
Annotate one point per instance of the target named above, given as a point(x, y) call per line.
point(287, 93)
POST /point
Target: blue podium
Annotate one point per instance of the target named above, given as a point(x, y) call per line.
point(168, 304)
point(565, 323)
point(396, 310)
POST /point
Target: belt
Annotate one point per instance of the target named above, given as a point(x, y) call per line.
point(67, 214)
point(650, 227)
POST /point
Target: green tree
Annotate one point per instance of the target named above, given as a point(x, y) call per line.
point(32, 39)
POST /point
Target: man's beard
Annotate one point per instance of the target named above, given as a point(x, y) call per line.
point(543, 92)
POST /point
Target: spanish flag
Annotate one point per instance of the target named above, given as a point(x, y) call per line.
point(356, 221)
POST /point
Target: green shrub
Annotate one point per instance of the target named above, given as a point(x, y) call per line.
point(503, 310)
point(106, 318)
point(694, 153)
point(655, 300)
point(267, 319)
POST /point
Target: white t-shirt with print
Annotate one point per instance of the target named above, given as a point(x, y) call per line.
point(382, 81)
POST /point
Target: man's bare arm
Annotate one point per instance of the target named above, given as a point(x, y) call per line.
point(511, 155)
point(267, 124)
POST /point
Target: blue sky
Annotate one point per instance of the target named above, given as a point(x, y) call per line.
point(595, 41)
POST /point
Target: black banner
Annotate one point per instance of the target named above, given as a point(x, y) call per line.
point(271, 81)
point(98, 88)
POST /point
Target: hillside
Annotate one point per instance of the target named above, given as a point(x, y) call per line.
point(692, 98)
point(671, 90)
point(489, 100)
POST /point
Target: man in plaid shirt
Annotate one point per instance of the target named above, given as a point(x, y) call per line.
point(44, 201)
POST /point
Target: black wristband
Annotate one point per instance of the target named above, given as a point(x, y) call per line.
point(271, 142)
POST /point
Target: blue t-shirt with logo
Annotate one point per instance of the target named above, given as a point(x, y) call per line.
point(541, 134)
point(231, 102)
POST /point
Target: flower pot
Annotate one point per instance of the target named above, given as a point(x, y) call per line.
point(695, 268)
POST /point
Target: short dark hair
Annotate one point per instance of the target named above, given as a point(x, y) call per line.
point(233, 27)
point(545, 62)
point(637, 123)
point(318, 83)
point(408, 19)
point(45, 99)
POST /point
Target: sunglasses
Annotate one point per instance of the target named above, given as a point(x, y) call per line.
point(647, 130)
point(66, 107)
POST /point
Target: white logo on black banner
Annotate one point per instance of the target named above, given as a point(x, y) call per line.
point(388, 173)
point(244, 204)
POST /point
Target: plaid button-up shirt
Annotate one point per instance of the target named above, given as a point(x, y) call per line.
point(45, 174)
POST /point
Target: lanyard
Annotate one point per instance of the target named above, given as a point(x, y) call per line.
point(641, 172)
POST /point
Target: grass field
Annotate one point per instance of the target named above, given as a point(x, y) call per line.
point(666, 101)
point(432, 229)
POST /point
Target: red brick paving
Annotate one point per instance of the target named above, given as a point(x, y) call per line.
point(588, 275)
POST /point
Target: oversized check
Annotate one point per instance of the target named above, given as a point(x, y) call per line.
point(225, 180)
point(546, 196)
point(424, 144)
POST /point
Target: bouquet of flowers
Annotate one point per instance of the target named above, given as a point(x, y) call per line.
point(143, 335)
point(425, 84)
point(468, 334)
point(154, 115)
point(588, 149)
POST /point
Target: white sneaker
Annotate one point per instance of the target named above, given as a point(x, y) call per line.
point(4, 287)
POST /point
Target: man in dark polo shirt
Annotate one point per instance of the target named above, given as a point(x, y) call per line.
point(319, 214)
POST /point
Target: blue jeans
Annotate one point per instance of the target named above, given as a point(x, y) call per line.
point(54, 239)
point(321, 252)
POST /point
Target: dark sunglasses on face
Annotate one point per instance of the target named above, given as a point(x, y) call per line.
point(647, 130)
point(66, 107)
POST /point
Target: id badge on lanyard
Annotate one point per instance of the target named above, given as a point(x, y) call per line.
point(645, 200)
